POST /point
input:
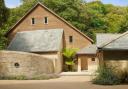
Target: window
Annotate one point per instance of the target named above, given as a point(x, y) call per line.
point(70, 39)
point(93, 59)
point(17, 65)
point(45, 20)
point(33, 21)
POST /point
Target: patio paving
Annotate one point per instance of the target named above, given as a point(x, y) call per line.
point(64, 82)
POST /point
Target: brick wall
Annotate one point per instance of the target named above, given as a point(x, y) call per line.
point(79, 41)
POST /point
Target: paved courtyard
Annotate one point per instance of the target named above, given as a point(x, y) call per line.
point(64, 82)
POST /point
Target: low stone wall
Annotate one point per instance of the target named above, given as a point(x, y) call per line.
point(118, 64)
point(21, 63)
point(56, 59)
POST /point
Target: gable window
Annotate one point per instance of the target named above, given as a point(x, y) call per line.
point(93, 59)
point(70, 39)
point(33, 21)
point(45, 20)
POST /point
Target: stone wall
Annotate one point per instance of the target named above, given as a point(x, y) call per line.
point(121, 65)
point(21, 63)
point(117, 59)
point(56, 58)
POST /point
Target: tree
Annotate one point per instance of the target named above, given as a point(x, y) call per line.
point(4, 13)
point(69, 57)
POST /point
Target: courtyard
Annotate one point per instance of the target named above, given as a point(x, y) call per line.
point(64, 82)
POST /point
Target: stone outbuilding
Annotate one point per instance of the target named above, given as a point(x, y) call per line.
point(113, 49)
point(47, 43)
point(87, 59)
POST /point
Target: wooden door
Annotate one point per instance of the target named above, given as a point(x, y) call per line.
point(84, 63)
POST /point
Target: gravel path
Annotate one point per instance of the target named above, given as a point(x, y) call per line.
point(65, 82)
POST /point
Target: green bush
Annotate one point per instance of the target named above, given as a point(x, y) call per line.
point(69, 55)
point(124, 76)
point(20, 77)
point(106, 76)
point(37, 77)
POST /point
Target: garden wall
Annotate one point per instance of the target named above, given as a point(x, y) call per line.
point(121, 65)
point(21, 63)
point(118, 59)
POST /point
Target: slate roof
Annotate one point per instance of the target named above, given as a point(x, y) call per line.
point(103, 38)
point(113, 41)
point(37, 41)
point(91, 49)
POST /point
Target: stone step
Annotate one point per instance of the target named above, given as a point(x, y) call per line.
point(77, 74)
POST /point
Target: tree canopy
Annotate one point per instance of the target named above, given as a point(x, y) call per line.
point(4, 13)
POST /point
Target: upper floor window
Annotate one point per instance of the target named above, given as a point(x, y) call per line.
point(70, 39)
point(93, 59)
point(45, 20)
point(33, 20)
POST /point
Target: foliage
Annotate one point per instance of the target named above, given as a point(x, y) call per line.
point(20, 77)
point(3, 13)
point(23, 77)
point(69, 55)
point(124, 76)
point(106, 76)
point(3, 42)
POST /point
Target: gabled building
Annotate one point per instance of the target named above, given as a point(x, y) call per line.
point(113, 49)
point(42, 31)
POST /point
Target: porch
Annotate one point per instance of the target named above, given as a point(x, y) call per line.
point(87, 59)
point(86, 62)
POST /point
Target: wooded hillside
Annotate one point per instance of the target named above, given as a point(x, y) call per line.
point(90, 18)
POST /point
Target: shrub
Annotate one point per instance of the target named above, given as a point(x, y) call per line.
point(37, 77)
point(20, 77)
point(106, 76)
point(69, 55)
point(124, 76)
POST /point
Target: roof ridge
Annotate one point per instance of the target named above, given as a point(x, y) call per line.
point(39, 3)
point(120, 35)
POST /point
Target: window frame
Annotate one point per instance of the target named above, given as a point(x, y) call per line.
point(45, 20)
point(32, 21)
point(70, 39)
point(93, 59)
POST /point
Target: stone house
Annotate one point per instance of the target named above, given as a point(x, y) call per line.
point(43, 32)
point(110, 49)
point(113, 49)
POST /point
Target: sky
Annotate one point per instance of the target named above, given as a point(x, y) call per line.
point(12, 3)
point(15, 3)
